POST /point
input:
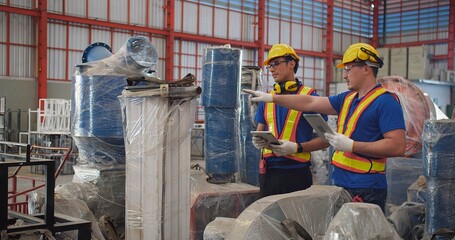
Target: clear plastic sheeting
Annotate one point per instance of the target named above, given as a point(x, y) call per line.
point(71, 199)
point(209, 201)
point(221, 79)
point(250, 155)
point(78, 209)
point(95, 112)
point(417, 107)
point(319, 166)
point(218, 228)
point(363, 221)
point(132, 60)
point(97, 126)
point(96, 120)
point(107, 190)
point(313, 209)
point(417, 192)
point(35, 200)
point(401, 174)
point(158, 154)
point(85, 191)
point(221, 138)
point(439, 172)
point(406, 217)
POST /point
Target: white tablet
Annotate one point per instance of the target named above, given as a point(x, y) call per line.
point(266, 135)
point(319, 125)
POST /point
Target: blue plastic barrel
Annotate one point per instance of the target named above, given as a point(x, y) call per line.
point(439, 170)
point(221, 74)
point(438, 148)
point(250, 155)
point(96, 119)
point(440, 205)
point(221, 142)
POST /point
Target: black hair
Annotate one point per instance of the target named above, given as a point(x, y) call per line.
point(375, 71)
point(289, 58)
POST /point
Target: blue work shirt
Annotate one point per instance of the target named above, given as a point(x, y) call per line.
point(384, 114)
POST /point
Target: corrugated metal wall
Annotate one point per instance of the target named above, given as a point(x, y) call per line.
point(197, 24)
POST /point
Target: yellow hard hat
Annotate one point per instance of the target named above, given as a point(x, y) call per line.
point(363, 52)
point(280, 50)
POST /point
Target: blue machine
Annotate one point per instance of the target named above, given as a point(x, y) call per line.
point(249, 163)
point(221, 73)
point(96, 116)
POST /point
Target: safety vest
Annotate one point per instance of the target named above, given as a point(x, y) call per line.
point(290, 127)
point(348, 160)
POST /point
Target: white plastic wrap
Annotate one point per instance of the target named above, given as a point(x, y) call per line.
point(218, 228)
point(133, 59)
point(313, 209)
point(363, 221)
point(103, 189)
point(157, 144)
point(78, 209)
point(416, 109)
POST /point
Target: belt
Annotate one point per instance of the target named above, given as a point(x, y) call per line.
point(283, 163)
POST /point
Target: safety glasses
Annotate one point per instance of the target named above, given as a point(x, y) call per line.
point(275, 64)
point(348, 68)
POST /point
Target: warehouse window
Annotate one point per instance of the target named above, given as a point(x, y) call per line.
point(306, 12)
point(426, 18)
point(246, 6)
point(414, 21)
point(353, 17)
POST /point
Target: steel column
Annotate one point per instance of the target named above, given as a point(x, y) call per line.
point(170, 38)
point(261, 32)
point(376, 23)
point(329, 46)
point(451, 42)
point(42, 49)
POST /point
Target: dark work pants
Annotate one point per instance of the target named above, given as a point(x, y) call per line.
point(279, 181)
point(370, 195)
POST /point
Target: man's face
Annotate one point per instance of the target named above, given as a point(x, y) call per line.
point(353, 74)
point(281, 69)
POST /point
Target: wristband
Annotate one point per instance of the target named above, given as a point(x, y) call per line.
point(299, 148)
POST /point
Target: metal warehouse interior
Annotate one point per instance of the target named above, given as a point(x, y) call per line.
point(127, 119)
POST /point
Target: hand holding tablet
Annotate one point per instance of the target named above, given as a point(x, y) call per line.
point(319, 125)
point(266, 135)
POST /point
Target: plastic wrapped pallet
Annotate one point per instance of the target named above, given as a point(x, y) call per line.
point(158, 152)
point(417, 191)
point(312, 208)
point(210, 201)
point(360, 221)
point(439, 172)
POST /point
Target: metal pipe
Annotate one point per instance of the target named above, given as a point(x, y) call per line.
point(191, 91)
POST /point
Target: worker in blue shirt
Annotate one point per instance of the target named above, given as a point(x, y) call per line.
point(285, 167)
point(370, 126)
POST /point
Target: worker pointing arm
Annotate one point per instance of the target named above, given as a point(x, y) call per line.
point(370, 126)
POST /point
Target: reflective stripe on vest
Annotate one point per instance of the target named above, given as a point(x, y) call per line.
point(290, 127)
point(348, 160)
